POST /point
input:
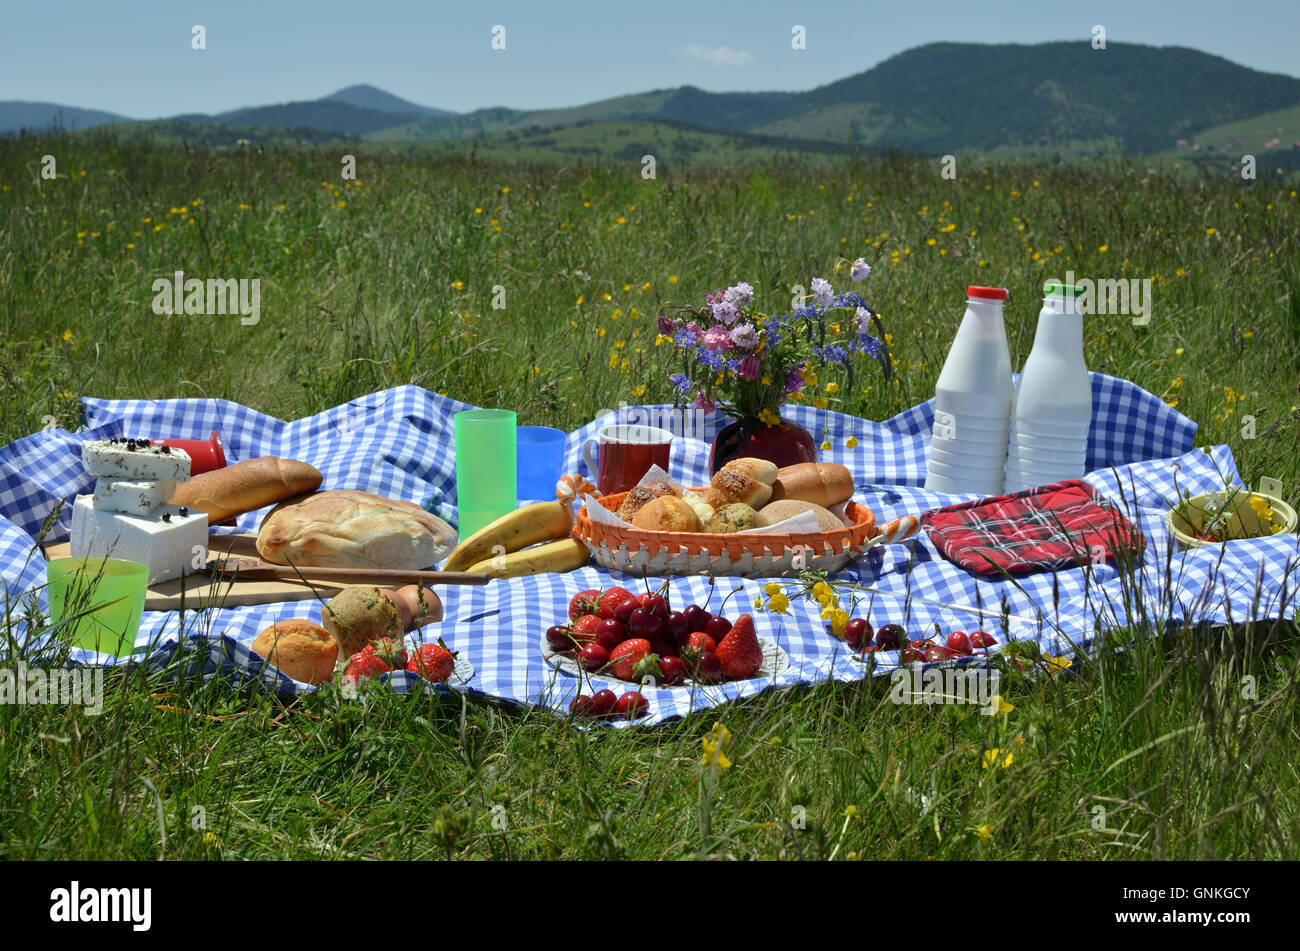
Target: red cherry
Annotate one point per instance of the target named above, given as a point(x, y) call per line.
point(673, 670)
point(643, 623)
point(856, 630)
point(580, 706)
point(559, 638)
point(889, 637)
point(609, 634)
point(717, 628)
point(678, 629)
point(980, 640)
point(602, 702)
point(708, 669)
point(593, 657)
point(656, 605)
point(958, 643)
point(625, 609)
point(696, 618)
point(632, 705)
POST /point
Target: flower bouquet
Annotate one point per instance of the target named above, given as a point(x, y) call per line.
point(749, 364)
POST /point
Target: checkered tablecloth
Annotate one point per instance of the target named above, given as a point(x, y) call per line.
point(399, 443)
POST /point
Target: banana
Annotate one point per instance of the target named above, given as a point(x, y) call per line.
point(564, 555)
point(513, 531)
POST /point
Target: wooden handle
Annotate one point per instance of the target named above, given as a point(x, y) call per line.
point(350, 575)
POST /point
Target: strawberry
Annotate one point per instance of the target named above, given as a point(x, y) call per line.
point(432, 662)
point(584, 602)
point(739, 652)
point(610, 600)
point(584, 629)
point(376, 658)
point(624, 658)
point(702, 642)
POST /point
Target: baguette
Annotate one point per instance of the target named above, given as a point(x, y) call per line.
point(246, 486)
point(822, 483)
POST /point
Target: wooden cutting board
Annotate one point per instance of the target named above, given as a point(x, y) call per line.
point(205, 591)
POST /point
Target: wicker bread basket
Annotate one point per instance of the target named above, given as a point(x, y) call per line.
point(637, 550)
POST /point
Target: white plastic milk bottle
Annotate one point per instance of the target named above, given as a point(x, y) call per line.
point(972, 402)
point(1052, 410)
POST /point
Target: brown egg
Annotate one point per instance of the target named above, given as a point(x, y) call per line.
point(429, 613)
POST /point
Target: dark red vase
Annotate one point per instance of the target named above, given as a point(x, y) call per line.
point(784, 445)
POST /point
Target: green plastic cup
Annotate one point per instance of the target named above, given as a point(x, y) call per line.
point(102, 599)
point(485, 467)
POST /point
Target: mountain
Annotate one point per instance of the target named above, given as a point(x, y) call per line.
point(998, 99)
point(369, 97)
point(16, 115)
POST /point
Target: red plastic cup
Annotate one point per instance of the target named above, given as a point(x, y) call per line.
point(205, 454)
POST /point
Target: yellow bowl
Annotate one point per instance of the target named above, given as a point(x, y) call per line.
point(1244, 522)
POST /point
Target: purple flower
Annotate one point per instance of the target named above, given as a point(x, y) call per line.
point(686, 337)
point(717, 338)
point(725, 311)
point(680, 381)
point(704, 404)
point(695, 328)
point(793, 382)
point(822, 292)
point(667, 326)
point(860, 269)
point(862, 317)
point(744, 336)
point(749, 368)
point(742, 294)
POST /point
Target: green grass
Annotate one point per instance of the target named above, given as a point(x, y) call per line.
point(389, 281)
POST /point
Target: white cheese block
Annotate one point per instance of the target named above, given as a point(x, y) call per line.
point(135, 460)
point(132, 498)
point(168, 542)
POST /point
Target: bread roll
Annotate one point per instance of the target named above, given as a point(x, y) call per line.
point(735, 485)
point(344, 528)
point(303, 650)
point(667, 514)
point(246, 486)
point(758, 469)
point(736, 517)
point(642, 494)
point(776, 512)
point(359, 614)
point(824, 483)
point(698, 501)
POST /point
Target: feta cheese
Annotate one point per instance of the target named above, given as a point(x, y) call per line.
point(169, 543)
point(135, 460)
point(132, 498)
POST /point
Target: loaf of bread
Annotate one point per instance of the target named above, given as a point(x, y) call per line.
point(303, 650)
point(246, 486)
point(776, 512)
point(640, 495)
point(344, 528)
point(360, 614)
point(667, 514)
point(825, 483)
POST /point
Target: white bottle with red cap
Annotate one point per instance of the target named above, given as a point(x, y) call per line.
point(1052, 410)
point(972, 402)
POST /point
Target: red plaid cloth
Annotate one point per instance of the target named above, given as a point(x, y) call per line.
point(1053, 526)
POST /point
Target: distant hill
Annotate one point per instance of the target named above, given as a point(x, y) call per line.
point(370, 97)
point(16, 115)
point(993, 99)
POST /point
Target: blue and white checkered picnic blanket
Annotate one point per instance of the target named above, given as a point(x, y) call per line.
point(399, 443)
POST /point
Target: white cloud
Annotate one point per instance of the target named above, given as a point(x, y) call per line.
point(719, 55)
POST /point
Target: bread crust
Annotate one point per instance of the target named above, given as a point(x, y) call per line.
point(246, 486)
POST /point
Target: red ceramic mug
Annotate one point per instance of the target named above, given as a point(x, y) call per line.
point(624, 453)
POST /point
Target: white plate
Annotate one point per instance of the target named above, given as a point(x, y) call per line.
point(775, 660)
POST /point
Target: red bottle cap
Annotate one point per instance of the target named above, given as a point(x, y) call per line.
point(987, 293)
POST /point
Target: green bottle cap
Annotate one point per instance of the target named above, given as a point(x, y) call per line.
point(1064, 290)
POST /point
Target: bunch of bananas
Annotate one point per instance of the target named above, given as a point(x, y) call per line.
point(528, 541)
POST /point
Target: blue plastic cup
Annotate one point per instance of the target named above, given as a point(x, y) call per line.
point(539, 455)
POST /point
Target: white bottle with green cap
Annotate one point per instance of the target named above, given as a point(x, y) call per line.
point(1052, 409)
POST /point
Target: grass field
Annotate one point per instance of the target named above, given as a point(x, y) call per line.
point(389, 279)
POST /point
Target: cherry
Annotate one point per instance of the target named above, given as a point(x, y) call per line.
point(656, 605)
point(958, 643)
point(717, 628)
point(632, 705)
point(610, 633)
point(696, 618)
point(708, 669)
point(888, 637)
point(643, 623)
point(857, 630)
point(625, 609)
point(678, 629)
point(593, 657)
point(559, 638)
point(602, 702)
point(673, 670)
point(580, 706)
point(661, 646)
point(980, 640)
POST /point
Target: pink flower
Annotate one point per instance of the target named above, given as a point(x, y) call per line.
point(704, 404)
point(725, 311)
point(695, 328)
point(717, 338)
point(744, 336)
point(749, 368)
point(860, 269)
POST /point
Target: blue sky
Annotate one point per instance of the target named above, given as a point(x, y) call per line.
point(135, 58)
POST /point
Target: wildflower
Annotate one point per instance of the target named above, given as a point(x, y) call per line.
point(742, 294)
point(850, 811)
point(745, 337)
point(1000, 706)
point(672, 278)
point(823, 593)
point(680, 381)
point(822, 292)
point(862, 317)
point(832, 388)
point(769, 417)
point(704, 404)
point(851, 442)
point(717, 738)
point(667, 326)
point(457, 285)
point(1057, 663)
point(1211, 230)
point(1104, 248)
point(985, 832)
point(826, 444)
point(996, 757)
point(717, 338)
point(67, 335)
point(749, 368)
point(639, 390)
point(505, 190)
point(820, 402)
point(778, 603)
point(860, 270)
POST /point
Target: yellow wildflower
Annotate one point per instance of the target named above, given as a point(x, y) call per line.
point(851, 442)
point(996, 757)
point(832, 388)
